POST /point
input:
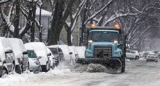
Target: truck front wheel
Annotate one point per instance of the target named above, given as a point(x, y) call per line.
point(123, 65)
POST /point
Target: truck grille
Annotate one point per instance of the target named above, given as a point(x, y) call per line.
point(103, 51)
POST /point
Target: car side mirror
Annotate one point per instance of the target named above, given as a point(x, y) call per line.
point(25, 52)
point(119, 45)
point(60, 53)
point(70, 53)
point(49, 54)
point(39, 57)
point(8, 51)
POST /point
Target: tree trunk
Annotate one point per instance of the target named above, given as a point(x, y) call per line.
point(59, 18)
point(40, 29)
point(33, 23)
point(83, 23)
point(17, 16)
point(57, 23)
point(69, 41)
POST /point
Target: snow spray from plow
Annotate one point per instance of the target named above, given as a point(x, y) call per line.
point(112, 66)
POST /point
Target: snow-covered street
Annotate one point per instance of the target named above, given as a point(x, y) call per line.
point(138, 73)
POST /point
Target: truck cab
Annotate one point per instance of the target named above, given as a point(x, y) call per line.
point(104, 43)
point(106, 46)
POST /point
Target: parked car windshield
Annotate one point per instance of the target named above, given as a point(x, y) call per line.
point(54, 50)
point(31, 54)
point(101, 36)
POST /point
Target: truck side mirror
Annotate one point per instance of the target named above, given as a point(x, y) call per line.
point(119, 45)
point(8, 51)
point(70, 53)
point(25, 52)
point(49, 54)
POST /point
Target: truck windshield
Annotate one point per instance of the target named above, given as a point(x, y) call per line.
point(99, 36)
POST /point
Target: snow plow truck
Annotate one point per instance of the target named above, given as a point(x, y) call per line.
point(106, 46)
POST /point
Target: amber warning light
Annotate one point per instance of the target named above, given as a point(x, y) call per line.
point(93, 24)
point(117, 26)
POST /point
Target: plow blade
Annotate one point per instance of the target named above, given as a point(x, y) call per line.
point(114, 65)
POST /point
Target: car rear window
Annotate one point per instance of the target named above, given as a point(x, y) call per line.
point(31, 54)
point(54, 50)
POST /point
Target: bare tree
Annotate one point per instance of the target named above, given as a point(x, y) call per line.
point(60, 15)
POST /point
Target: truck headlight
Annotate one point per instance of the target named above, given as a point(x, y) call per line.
point(116, 41)
point(118, 52)
point(87, 52)
point(90, 41)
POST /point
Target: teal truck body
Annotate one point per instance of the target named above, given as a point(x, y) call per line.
point(106, 45)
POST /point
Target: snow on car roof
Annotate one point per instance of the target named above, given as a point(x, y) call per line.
point(4, 43)
point(64, 48)
point(73, 49)
point(39, 47)
point(17, 45)
point(81, 50)
point(53, 46)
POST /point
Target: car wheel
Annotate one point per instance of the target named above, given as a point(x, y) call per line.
point(39, 69)
point(45, 68)
point(13, 67)
point(4, 71)
point(123, 65)
point(18, 69)
point(27, 68)
point(137, 57)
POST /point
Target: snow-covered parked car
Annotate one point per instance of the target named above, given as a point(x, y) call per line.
point(74, 54)
point(52, 58)
point(57, 52)
point(152, 57)
point(20, 53)
point(132, 54)
point(145, 54)
point(34, 63)
point(65, 52)
point(158, 54)
point(41, 51)
point(80, 50)
point(7, 59)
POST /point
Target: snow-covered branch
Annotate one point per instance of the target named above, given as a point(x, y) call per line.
point(4, 1)
point(8, 21)
point(140, 35)
point(99, 11)
point(75, 16)
point(117, 15)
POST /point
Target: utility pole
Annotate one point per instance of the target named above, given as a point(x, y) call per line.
point(40, 28)
point(40, 15)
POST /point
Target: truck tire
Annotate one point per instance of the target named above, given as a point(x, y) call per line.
point(123, 65)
